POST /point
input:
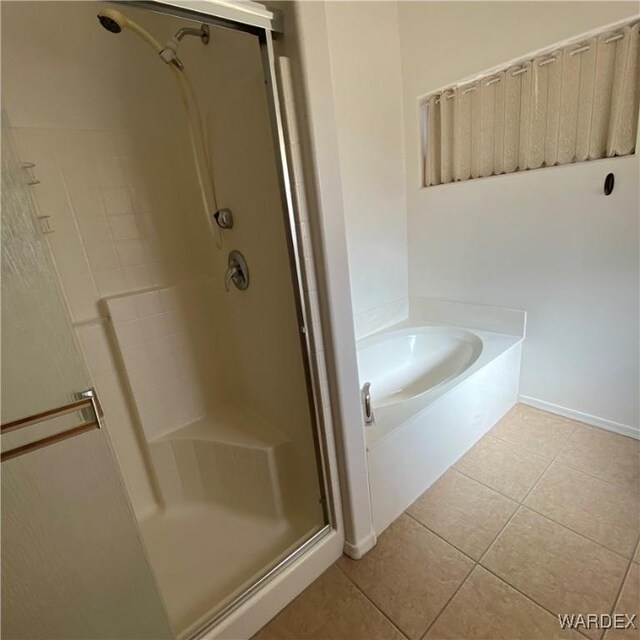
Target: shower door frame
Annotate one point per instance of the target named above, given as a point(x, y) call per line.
point(263, 27)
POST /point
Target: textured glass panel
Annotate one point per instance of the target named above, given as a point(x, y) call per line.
point(41, 364)
point(73, 565)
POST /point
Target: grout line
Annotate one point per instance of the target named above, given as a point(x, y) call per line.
point(578, 533)
point(446, 604)
point(522, 593)
point(355, 584)
point(523, 505)
point(435, 533)
point(477, 564)
point(544, 515)
point(523, 447)
point(499, 533)
point(522, 501)
point(484, 484)
point(559, 462)
point(619, 592)
point(619, 487)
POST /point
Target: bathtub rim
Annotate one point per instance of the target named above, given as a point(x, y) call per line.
point(391, 418)
point(390, 333)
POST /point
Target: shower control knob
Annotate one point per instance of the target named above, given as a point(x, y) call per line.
point(237, 273)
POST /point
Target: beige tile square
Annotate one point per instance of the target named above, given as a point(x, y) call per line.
point(410, 574)
point(504, 467)
point(629, 603)
point(636, 558)
point(598, 510)
point(486, 608)
point(464, 512)
point(535, 430)
point(558, 569)
point(330, 608)
point(604, 454)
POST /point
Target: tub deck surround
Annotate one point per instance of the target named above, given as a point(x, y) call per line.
point(439, 381)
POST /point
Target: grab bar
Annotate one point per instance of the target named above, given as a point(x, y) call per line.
point(366, 403)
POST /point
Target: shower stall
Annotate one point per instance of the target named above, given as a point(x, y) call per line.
point(164, 442)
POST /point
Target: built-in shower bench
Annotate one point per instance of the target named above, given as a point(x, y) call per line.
point(233, 458)
point(225, 455)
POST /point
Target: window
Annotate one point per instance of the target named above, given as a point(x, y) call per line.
point(572, 104)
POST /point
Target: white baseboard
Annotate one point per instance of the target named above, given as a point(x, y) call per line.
point(356, 551)
point(595, 421)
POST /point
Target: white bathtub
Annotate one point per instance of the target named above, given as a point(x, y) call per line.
point(435, 390)
point(411, 365)
point(406, 363)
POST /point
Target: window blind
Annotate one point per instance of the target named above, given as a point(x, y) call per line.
point(576, 103)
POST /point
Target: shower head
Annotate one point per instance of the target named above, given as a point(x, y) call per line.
point(112, 20)
point(110, 24)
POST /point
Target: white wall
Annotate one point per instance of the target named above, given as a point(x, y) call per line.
point(365, 62)
point(545, 241)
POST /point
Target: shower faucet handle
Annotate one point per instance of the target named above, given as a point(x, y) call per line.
point(238, 272)
point(232, 272)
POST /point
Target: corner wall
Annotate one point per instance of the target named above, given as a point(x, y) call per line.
point(364, 51)
point(546, 241)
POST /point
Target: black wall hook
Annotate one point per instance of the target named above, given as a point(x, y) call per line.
point(609, 181)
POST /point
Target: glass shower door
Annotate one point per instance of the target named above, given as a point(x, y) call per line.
point(73, 565)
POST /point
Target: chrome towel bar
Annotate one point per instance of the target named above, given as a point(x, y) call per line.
point(89, 407)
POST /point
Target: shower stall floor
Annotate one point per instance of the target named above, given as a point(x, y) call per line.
point(203, 554)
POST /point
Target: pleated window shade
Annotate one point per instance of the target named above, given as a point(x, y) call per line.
point(577, 103)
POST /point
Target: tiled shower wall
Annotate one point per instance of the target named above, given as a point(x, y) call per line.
point(98, 190)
